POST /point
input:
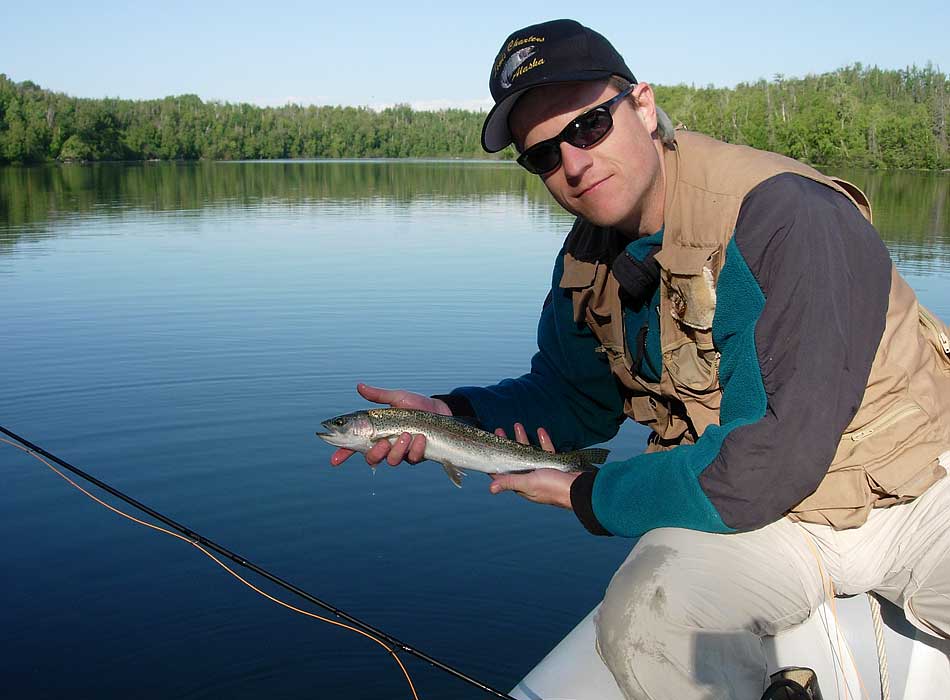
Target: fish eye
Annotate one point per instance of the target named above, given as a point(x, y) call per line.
point(338, 421)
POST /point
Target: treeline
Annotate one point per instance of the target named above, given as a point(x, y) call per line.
point(855, 115)
point(38, 125)
point(865, 117)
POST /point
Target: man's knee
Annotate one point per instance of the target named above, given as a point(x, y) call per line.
point(643, 599)
point(929, 607)
point(684, 615)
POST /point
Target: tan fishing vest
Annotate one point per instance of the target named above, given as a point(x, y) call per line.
point(888, 453)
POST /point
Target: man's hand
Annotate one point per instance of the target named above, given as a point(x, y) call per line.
point(410, 448)
point(548, 486)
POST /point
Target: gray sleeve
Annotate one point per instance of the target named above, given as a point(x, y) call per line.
point(825, 275)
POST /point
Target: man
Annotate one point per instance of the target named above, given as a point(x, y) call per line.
point(740, 304)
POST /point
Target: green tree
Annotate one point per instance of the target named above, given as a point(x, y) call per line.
point(858, 115)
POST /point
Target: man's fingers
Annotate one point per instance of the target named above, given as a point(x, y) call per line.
point(521, 435)
point(399, 449)
point(509, 482)
point(340, 456)
point(541, 486)
point(500, 483)
point(394, 397)
point(377, 453)
point(519, 483)
point(417, 450)
point(399, 398)
point(545, 440)
point(376, 394)
point(409, 448)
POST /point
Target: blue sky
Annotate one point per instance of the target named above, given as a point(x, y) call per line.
point(427, 54)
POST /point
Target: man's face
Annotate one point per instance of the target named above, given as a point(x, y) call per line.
point(614, 182)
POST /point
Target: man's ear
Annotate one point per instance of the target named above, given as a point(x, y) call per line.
point(646, 106)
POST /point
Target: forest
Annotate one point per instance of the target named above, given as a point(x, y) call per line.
point(857, 116)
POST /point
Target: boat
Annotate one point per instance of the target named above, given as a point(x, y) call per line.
point(838, 642)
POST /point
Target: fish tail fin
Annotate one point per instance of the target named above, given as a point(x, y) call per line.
point(586, 459)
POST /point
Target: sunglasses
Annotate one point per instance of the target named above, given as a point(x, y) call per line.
point(584, 131)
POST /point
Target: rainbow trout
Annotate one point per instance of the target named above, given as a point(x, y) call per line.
point(455, 443)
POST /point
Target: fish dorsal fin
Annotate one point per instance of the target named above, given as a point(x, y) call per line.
point(589, 457)
point(454, 473)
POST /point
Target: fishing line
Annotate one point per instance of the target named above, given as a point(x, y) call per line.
point(203, 544)
point(829, 591)
point(217, 561)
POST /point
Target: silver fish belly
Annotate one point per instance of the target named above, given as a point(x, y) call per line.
point(456, 444)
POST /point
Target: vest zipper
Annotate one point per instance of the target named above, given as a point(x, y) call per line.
point(887, 420)
point(641, 351)
point(932, 325)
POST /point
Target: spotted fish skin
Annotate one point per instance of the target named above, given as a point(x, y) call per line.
point(456, 444)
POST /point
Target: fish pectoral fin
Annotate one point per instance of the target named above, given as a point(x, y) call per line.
point(454, 473)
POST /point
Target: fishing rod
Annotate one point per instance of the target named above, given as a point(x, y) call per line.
point(202, 541)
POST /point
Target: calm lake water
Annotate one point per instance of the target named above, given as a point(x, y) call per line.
point(180, 330)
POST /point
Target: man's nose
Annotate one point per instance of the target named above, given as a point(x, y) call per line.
point(574, 160)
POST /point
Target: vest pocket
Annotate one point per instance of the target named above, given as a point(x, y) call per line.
point(881, 423)
point(615, 357)
point(689, 277)
point(894, 450)
point(692, 368)
point(889, 460)
point(843, 500)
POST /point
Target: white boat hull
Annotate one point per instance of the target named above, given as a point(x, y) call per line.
point(918, 664)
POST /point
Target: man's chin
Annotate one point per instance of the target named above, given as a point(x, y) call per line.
point(602, 217)
point(608, 220)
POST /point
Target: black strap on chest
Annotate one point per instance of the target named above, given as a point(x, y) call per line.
point(638, 278)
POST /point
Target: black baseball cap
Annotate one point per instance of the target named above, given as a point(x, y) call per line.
point(559, 51)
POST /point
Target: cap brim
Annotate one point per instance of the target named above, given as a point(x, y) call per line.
point(495, 132)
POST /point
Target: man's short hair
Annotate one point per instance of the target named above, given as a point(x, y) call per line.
point(664, 125)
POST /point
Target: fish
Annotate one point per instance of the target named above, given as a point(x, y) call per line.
point(513, 63)
point(457, 444)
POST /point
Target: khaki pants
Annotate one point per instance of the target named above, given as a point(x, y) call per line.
point(684, 615)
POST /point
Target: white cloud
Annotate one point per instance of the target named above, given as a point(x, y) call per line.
point(475, 105)
point(478, 104)
point(304, 100)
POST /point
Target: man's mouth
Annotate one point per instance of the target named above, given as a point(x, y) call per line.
point(594, 186)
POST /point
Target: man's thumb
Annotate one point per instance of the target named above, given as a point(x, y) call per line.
point(498, 484)
point(372, 393)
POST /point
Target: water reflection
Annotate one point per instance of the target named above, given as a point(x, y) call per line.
point(30, 195)
point(911, 208)
point(912, 213)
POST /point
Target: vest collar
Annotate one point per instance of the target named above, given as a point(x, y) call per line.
point(671, 156)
